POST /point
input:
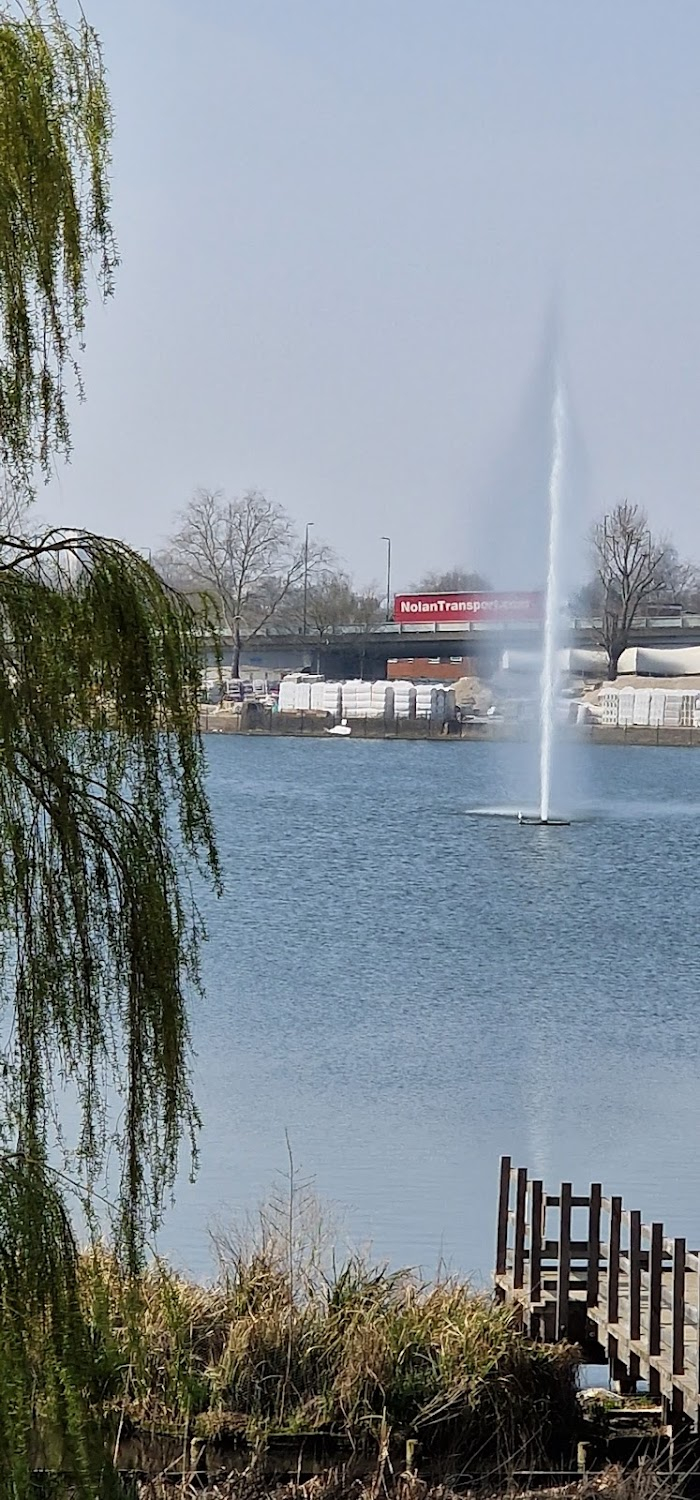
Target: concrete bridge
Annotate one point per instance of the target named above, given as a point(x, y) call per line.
point(350, 651)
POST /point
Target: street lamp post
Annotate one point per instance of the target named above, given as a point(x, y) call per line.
point(387, 539)
point(309, 524)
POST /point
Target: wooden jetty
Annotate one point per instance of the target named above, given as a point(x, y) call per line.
point(585, 1269)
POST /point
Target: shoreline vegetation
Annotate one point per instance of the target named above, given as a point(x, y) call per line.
point(646, 1482)
point(371, 1358)
point(296, 1376)
point(289, 1351)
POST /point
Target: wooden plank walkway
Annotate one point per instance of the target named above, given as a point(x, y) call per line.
point(586, 1269)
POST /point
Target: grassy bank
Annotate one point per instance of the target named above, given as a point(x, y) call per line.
point(359, 1352)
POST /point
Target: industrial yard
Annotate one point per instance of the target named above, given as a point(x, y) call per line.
point(655, 699)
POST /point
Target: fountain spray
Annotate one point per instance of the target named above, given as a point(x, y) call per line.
point(548, 684)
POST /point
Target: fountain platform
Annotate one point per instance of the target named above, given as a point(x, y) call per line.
point(533, 820)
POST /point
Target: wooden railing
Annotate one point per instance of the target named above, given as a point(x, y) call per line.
point(584, 1268)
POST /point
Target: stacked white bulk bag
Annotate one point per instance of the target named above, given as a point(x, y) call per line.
point(430, 702)
point(382, 701)
point(333, 698)
point(367, 700)
point(687, 706)
point(674, 701)
point(298, 692)
point(610, 704)
point(287, 695)
point(363, 700)
point(354, 699)
point(625, 714)
point(318, 690)
point(642, 708)
point(657, 711)
point(404, 699)
point(655, 707)
point(672, 713)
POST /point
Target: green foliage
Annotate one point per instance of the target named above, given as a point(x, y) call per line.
point(101, 802)
point(55, 130)
point(46, 1355)
point(102, 814)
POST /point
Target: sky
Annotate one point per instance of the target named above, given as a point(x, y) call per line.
point(355, 236)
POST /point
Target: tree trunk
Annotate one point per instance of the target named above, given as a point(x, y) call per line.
point(614, 654)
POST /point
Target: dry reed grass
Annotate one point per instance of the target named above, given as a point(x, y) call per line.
point(643, 1483)
point(281, 1345)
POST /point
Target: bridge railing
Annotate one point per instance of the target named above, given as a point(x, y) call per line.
point(579, 624)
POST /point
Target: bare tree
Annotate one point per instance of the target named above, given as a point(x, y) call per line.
point(244, 554)
point(631, 571)
point(681, 581)
point(333, 601)
point(453, 581)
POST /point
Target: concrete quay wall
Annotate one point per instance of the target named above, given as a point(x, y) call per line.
point(254, 719)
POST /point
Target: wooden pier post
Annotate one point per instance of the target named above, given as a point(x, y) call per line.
point(678, 1305)
point(519, 1245)
point(635, 1290)
point(614, 1227)
point(564, 1267)
point(503, 1205)
point(536, 1228)
point(593, 1278)
point(655, 1291)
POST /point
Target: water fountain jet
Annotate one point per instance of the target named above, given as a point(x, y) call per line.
point(549, 666)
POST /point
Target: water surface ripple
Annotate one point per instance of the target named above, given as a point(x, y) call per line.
point(410, 991)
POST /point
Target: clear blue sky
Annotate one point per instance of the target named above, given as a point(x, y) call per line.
point(342, 225)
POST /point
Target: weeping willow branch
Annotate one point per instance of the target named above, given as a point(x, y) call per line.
point(105, 830)
point(104, 821)
point(47, 1358)
point(102, 804)
point(55, 230)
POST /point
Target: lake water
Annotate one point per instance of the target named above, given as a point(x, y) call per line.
point(410, 990)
